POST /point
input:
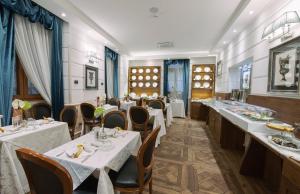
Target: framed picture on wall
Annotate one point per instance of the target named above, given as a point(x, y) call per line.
point(91, 77)
point(284, 67)
point(219, 68)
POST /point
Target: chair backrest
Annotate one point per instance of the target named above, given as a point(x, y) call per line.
point(41, 110)
point(138, 115)
point(156, 104)
point(115, 119)
point(145, 156)
point(87, 111)
point(114, 102)
point(69, 115)
point(45, 176)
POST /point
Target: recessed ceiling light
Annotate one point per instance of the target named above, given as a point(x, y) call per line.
point(224, 42)
point(63, 14)
point(251, 12)
point(105, 42)
point(234, 30)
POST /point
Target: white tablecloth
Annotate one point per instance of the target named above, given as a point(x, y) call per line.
point(178, 109)
point(108, 108)
point(123, 146)
point(126, 106)
point(42, 139)
point(158, 120)
point(169, 115)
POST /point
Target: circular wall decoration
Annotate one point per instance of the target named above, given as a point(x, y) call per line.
point(141, 70)
point(207, 69)
point(133, 77)
point(141, 84)
point(133, 84)
point(155, 94)
point(147, 84)
point(197, 85)
point(143, 95)
point(133, 71)
point(148, 77)
point(155, 70)
point(198, 77)
point(155, 77)
point(148, 70)
point(141, 77)
point(206, 77)
point(198, 69)
point(132, 94)
point(155, 84)
point(206, 84)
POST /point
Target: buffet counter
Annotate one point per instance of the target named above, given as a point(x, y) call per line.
point(233, 129)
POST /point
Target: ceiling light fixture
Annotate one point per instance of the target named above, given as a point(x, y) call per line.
point(251, 12)
point(63, 14)
point(224, 42)
point(235, 31)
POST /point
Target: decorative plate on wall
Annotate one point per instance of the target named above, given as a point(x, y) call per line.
point(155, 70)
point(147, 84)
point(198, 77)
point(155, 84)
point(148, 70)
point(141, 77)
point(207, 69)
point(132, 94)
point(197, 85)
point(133, 77)
point(133, 84)
point(198, 69)
point(133, 71)
point(141, 70)
point(155, 94)
point(143, 95)
point(206, 84)
point(206, 77)
point(141, 84)
point(155, 77)
point(148, 77)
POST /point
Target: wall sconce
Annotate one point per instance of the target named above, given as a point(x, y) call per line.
point(280, 28)
point(93, 57)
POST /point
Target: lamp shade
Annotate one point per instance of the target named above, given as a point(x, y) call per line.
point(278, 25)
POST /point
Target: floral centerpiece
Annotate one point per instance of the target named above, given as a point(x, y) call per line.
point(18, 107)
point(99, 111)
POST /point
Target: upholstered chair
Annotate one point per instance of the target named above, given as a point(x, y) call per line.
point(139, 117)
point(115, 119)
point(69, 114)
point(156, 104)
point(41, 110)
point(46, 176)
point(89, 120)
point(136, 173)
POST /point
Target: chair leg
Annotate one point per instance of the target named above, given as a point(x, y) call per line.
point(150, 186)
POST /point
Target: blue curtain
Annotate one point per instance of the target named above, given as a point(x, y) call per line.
point(115, 59)
point(185, 63)
point(36, 13)
point(7, 62)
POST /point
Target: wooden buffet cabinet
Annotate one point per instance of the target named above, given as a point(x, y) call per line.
point(278, 173)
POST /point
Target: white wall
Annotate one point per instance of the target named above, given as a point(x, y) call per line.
point(249, 44)
point(76, 44)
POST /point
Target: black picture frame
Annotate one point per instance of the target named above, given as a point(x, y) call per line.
point(284, 67)
point(91, 77)
point(219, 68)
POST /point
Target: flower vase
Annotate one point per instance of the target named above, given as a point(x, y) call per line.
point(17, 117)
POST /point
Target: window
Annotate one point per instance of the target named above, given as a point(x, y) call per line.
point(23, 88)
point(175, 80)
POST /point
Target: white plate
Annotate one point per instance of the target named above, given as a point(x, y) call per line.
point(143, 95)
point(133, 84)
point(155, 70)
point(198, 69)
point(133, 77)
point(133, 71)
point(197, 85)
point(147, 84)
point(141, 77)
point(284, 147)
point(155, 94)
point(198, 77)
point(155, 77)
point(141, 84)
point(141, 70)
point(206, 84)
point(148, 77)
point(132, 94)
point(207, 69)
point(206, 77)
point(154, 84)
point(148, 70)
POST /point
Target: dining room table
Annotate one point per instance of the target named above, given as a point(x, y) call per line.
point(158, 121)
point(178, 108)
point(126, 105)
point(98, 157)
point(40, 136)
point(169, 116)
point(108, 108)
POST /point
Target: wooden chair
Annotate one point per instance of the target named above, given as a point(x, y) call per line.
point(156, 104)
point(115, 119)
point(87, 112)
point(139, 117)
point(114, 102)
point(69, 114)
point(136, 173)
point(46, 176)
point(41, 110)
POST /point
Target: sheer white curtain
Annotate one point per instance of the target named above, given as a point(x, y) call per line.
point(110, 77)
point(33, 45)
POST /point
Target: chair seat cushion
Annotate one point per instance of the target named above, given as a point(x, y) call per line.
point(127, 177)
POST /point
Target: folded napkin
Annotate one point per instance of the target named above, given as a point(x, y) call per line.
point(78, 151)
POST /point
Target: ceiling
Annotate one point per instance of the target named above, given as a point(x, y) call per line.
point(192, 25)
